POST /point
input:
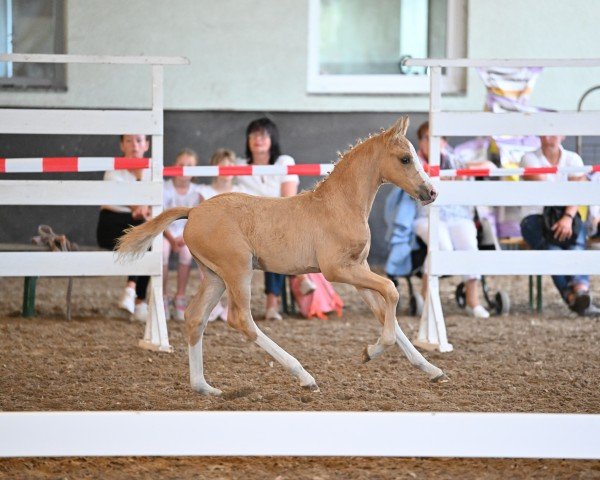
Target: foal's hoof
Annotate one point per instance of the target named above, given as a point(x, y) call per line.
point(441, 378)
point(208, 390)
point(313, 387)
point(365, 355)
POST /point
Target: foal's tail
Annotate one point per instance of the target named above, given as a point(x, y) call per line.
point(138, 240)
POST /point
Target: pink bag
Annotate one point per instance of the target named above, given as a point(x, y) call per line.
point(320, 302)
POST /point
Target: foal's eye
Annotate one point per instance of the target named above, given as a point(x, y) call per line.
point(405, 160)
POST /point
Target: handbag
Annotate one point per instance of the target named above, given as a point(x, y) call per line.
point(551, 215)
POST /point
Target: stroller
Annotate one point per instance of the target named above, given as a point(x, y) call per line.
point(408, 252)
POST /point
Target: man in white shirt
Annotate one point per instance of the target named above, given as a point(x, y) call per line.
point(573, 289)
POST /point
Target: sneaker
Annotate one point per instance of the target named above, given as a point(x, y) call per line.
point(180, 306)
point(127, 301)
point(224, 311)
point(216, 312)
point(167, 304)
point(307, 285)
point(273, 314)
point(591, 311)
point(580, 303)
point(141, 312)
point(478, 312)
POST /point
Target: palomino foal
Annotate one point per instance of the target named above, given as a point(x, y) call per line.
point(324, 230)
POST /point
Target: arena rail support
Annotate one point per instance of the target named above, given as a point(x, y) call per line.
point(432, 331)
point(47, 192)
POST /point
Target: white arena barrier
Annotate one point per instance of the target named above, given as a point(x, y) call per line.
point(432, 331)
point(401, 434)
point(58, 192)
point(373, 434)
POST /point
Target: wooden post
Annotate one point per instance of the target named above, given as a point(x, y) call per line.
point(29, 297)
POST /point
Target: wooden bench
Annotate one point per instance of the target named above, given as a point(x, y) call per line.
point(30, 283)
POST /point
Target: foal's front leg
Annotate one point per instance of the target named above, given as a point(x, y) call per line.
point(361, 277)
point(375, 302)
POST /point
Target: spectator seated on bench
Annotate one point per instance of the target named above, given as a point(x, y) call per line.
point(560, 228)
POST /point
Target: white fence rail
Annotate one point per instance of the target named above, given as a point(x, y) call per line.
point(486, 123)
point(375, 434)
point(80, 122)
point(517, 193)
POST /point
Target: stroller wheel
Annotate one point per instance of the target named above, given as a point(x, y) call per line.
point(461, 295)
point(416, 305)
point(502, 303)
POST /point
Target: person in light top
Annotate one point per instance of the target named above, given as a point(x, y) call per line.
point(178, 192)
point(457, 230)
point(115, 219)
point(263, 148)
point(574, 289)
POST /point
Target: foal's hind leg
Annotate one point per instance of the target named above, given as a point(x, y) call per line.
point(240, 318)
point(375, 302)
point(196, 318)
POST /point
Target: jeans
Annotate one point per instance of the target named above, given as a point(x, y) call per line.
point(274, 283)
point(532, 231)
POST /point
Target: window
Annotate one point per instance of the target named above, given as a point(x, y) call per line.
point(358, 47)
point(32, 26)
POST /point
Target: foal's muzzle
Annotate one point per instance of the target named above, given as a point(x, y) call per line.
point(427, 194)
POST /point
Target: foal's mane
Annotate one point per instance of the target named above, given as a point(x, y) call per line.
point(350, 155)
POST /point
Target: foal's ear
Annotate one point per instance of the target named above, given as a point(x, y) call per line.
point(401, 126)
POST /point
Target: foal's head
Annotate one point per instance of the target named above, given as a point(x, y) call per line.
point(401, 166)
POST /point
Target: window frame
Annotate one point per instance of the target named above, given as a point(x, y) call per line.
point(453, 80)
point(58, 83)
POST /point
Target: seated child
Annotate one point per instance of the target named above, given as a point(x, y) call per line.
point(178, 192)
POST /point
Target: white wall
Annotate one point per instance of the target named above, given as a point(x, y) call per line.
point(252, 54)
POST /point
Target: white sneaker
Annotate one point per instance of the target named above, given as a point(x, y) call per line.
point(273, 314)
point(216, 312)
point(127, 301)
point(224, 312)
point(478, 312)
point(307, 286)
point(141, 312)
point(180, 306)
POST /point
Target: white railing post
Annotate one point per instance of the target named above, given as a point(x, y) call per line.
point(432, 329)
point(156, 336)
